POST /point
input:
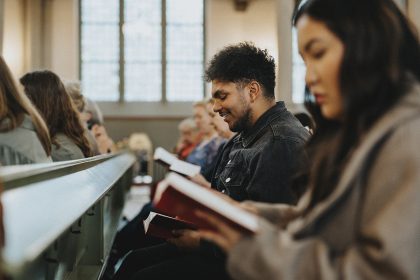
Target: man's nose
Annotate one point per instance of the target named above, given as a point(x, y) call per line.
point(216, 107)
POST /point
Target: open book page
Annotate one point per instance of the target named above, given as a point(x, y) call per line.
point(161, 226)
point(175, 164)
point(185, 168)
point(148, 220)
point(163, 155)
point(177, 196)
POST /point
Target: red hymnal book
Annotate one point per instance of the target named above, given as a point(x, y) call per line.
point(161, 226)
point(178, 196)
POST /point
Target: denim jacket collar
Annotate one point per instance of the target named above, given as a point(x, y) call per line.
point(247, 137)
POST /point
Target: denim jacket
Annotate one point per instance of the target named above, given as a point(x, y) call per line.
point(258, 164)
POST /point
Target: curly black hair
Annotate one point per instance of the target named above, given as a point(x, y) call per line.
point(243, 63)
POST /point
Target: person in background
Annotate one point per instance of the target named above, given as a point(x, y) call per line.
point(24, 137)
point(47, 93)
point(92, 113)
point(205, 152)
point(360, 216)
point(223, 130)
point(218, 123)
point(105, 144)
point(95, 123)
point(73, 89)
point(189, 138)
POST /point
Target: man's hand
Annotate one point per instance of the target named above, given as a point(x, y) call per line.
point(200, 180)
point(185, 240)
point(248, 207)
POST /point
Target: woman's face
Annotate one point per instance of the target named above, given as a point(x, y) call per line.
point(218, 123)
point(202, 119)
point(322, 52)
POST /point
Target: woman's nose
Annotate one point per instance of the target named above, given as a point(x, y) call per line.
point(310, 77)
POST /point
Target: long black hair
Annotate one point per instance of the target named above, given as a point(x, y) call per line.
point(381, 50)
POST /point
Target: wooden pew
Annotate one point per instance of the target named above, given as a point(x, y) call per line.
point(60, 218)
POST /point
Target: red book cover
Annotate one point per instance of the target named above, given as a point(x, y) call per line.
point(177, 196)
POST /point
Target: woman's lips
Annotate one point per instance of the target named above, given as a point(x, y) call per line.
point(320, 98)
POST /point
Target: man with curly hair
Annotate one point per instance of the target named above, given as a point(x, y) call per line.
point(257, 164)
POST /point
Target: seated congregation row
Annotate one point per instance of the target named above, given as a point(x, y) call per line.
point(341, 203)
point(50, 121)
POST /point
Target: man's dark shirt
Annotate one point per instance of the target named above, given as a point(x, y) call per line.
point(259, 164)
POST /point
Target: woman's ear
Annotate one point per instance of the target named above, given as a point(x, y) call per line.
point(255, 90)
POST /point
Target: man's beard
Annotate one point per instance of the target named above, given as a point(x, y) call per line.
point(244, 122)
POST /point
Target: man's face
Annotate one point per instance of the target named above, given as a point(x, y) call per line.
point(232, 103)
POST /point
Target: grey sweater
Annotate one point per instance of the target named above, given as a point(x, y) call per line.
point(21, 145)
point(67, 149)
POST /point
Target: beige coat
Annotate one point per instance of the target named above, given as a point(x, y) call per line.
point(368, 228)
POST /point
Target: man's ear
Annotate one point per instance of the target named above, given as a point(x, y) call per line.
point(255, 90)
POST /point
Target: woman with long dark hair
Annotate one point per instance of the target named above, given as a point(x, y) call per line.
point(47, 93)
point(359, 218)
point(24, 137)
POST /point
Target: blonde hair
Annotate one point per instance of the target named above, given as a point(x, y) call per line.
point(14, 105)
point(73, 89)
point(202, 103)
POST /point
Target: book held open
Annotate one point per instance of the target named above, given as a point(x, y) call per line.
point(182, 167)
point(177, 196)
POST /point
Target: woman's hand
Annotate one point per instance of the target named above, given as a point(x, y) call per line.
point(225, 236)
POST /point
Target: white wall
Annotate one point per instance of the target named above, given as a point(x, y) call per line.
point(41, 34)
point(62, 54)
point(14, 36)
point(225, 26)
point(284, 10)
